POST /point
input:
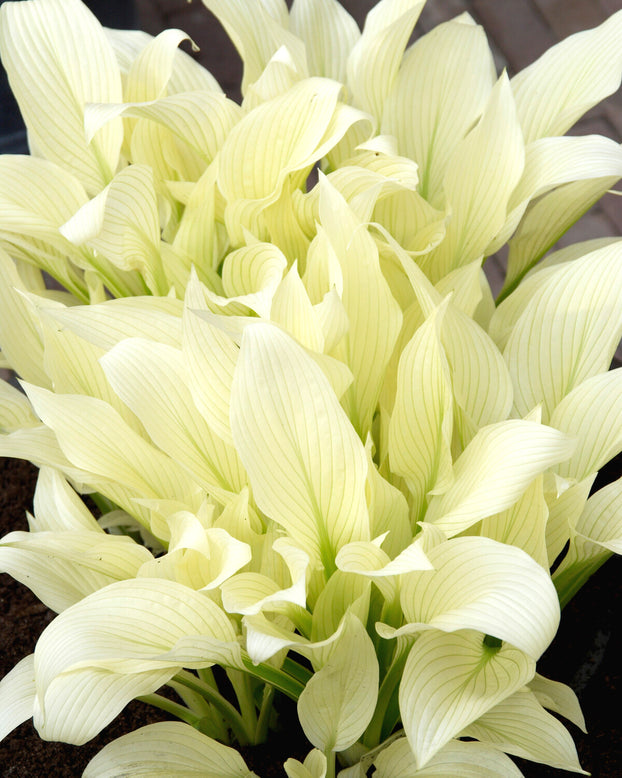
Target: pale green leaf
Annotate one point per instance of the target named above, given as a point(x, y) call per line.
point(58, 58)
point(523, 524)
point(257, 30)
point(481, 584)
point(119, 643)
point(481, 174)
point(89, 432)
point(568, 331)
point(57, 507)
point(151, 379)
point(546, 220)
point(375, 58)
point(374, 314)
point(421, 424)
point(338, 701)
point(456, 758)
point(314, 766)
point(449, 681)
point(306, 465)
point(520, 726)
point(17, 695)
point(165, 749)
point(15, 410)
point(558, 697)
point(592, 413)
point(568, 79)
point(494, 471)
point(328, 32)
point(442, 87)
point(63, 567)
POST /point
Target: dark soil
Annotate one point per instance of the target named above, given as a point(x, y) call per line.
point(587, 654)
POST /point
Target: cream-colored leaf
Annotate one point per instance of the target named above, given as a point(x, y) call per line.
point(151, 379)
point(119, 643)
point(15, 410)
point(442, 87)
point(306, 465)
point(57, 507)
point(494, 471)
point(421, 424)
point(328, 32)
point(559, 698)
point(592, 413)
point(568, 79)
point(520, 726)
point(449, 681)
point(478, 583)
point(374, 314)
point(164, 749)
point(375, 58)
point(578, 321)
point(17, 693)
point(523, 524)
point(338, 701)
point(314, 766)
point(481, 174)
point(63, 567)
point(466, 759)
point(58, 58)
point(257, 29)
point(95, 438)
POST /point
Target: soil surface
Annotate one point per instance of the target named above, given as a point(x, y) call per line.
point(585, 654)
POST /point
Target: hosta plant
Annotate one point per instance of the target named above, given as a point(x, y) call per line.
point(328, 465)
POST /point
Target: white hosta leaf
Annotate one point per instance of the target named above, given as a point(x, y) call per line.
point(58, 58)
point(374, 314)
point(201, 119)
point(149, 73)
point(314, 766)
point(253, 170)
point(17, 695)
point(524, 524)
point(338, 701)
point(388, 510)
point(63, 567)
point(57, 507)
point(449, 681)
point(15, 410)
point(95, 438)
point(243, 593)
point(421, 424)
point(520, 726)
point(257, 30)
point(292, 310)
point(594, 536)
point(375, 58)
point(477, 187)
point(442, 87)
point(478, 583)
point(210, 356)
point(468, 760)
point(568, 79)
point(151, 379)
point(164, 749)
point(328, 32)
point(40, 446)
point(546, 220)
point(306, 465)
point(559, 698)
point(592, 413)
point(481, 382)
point(118, 643)
point(566, 503)
point(578, 320)
point(21, 340)
point(494, 470)
point(122, 225)
point(106, 323)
